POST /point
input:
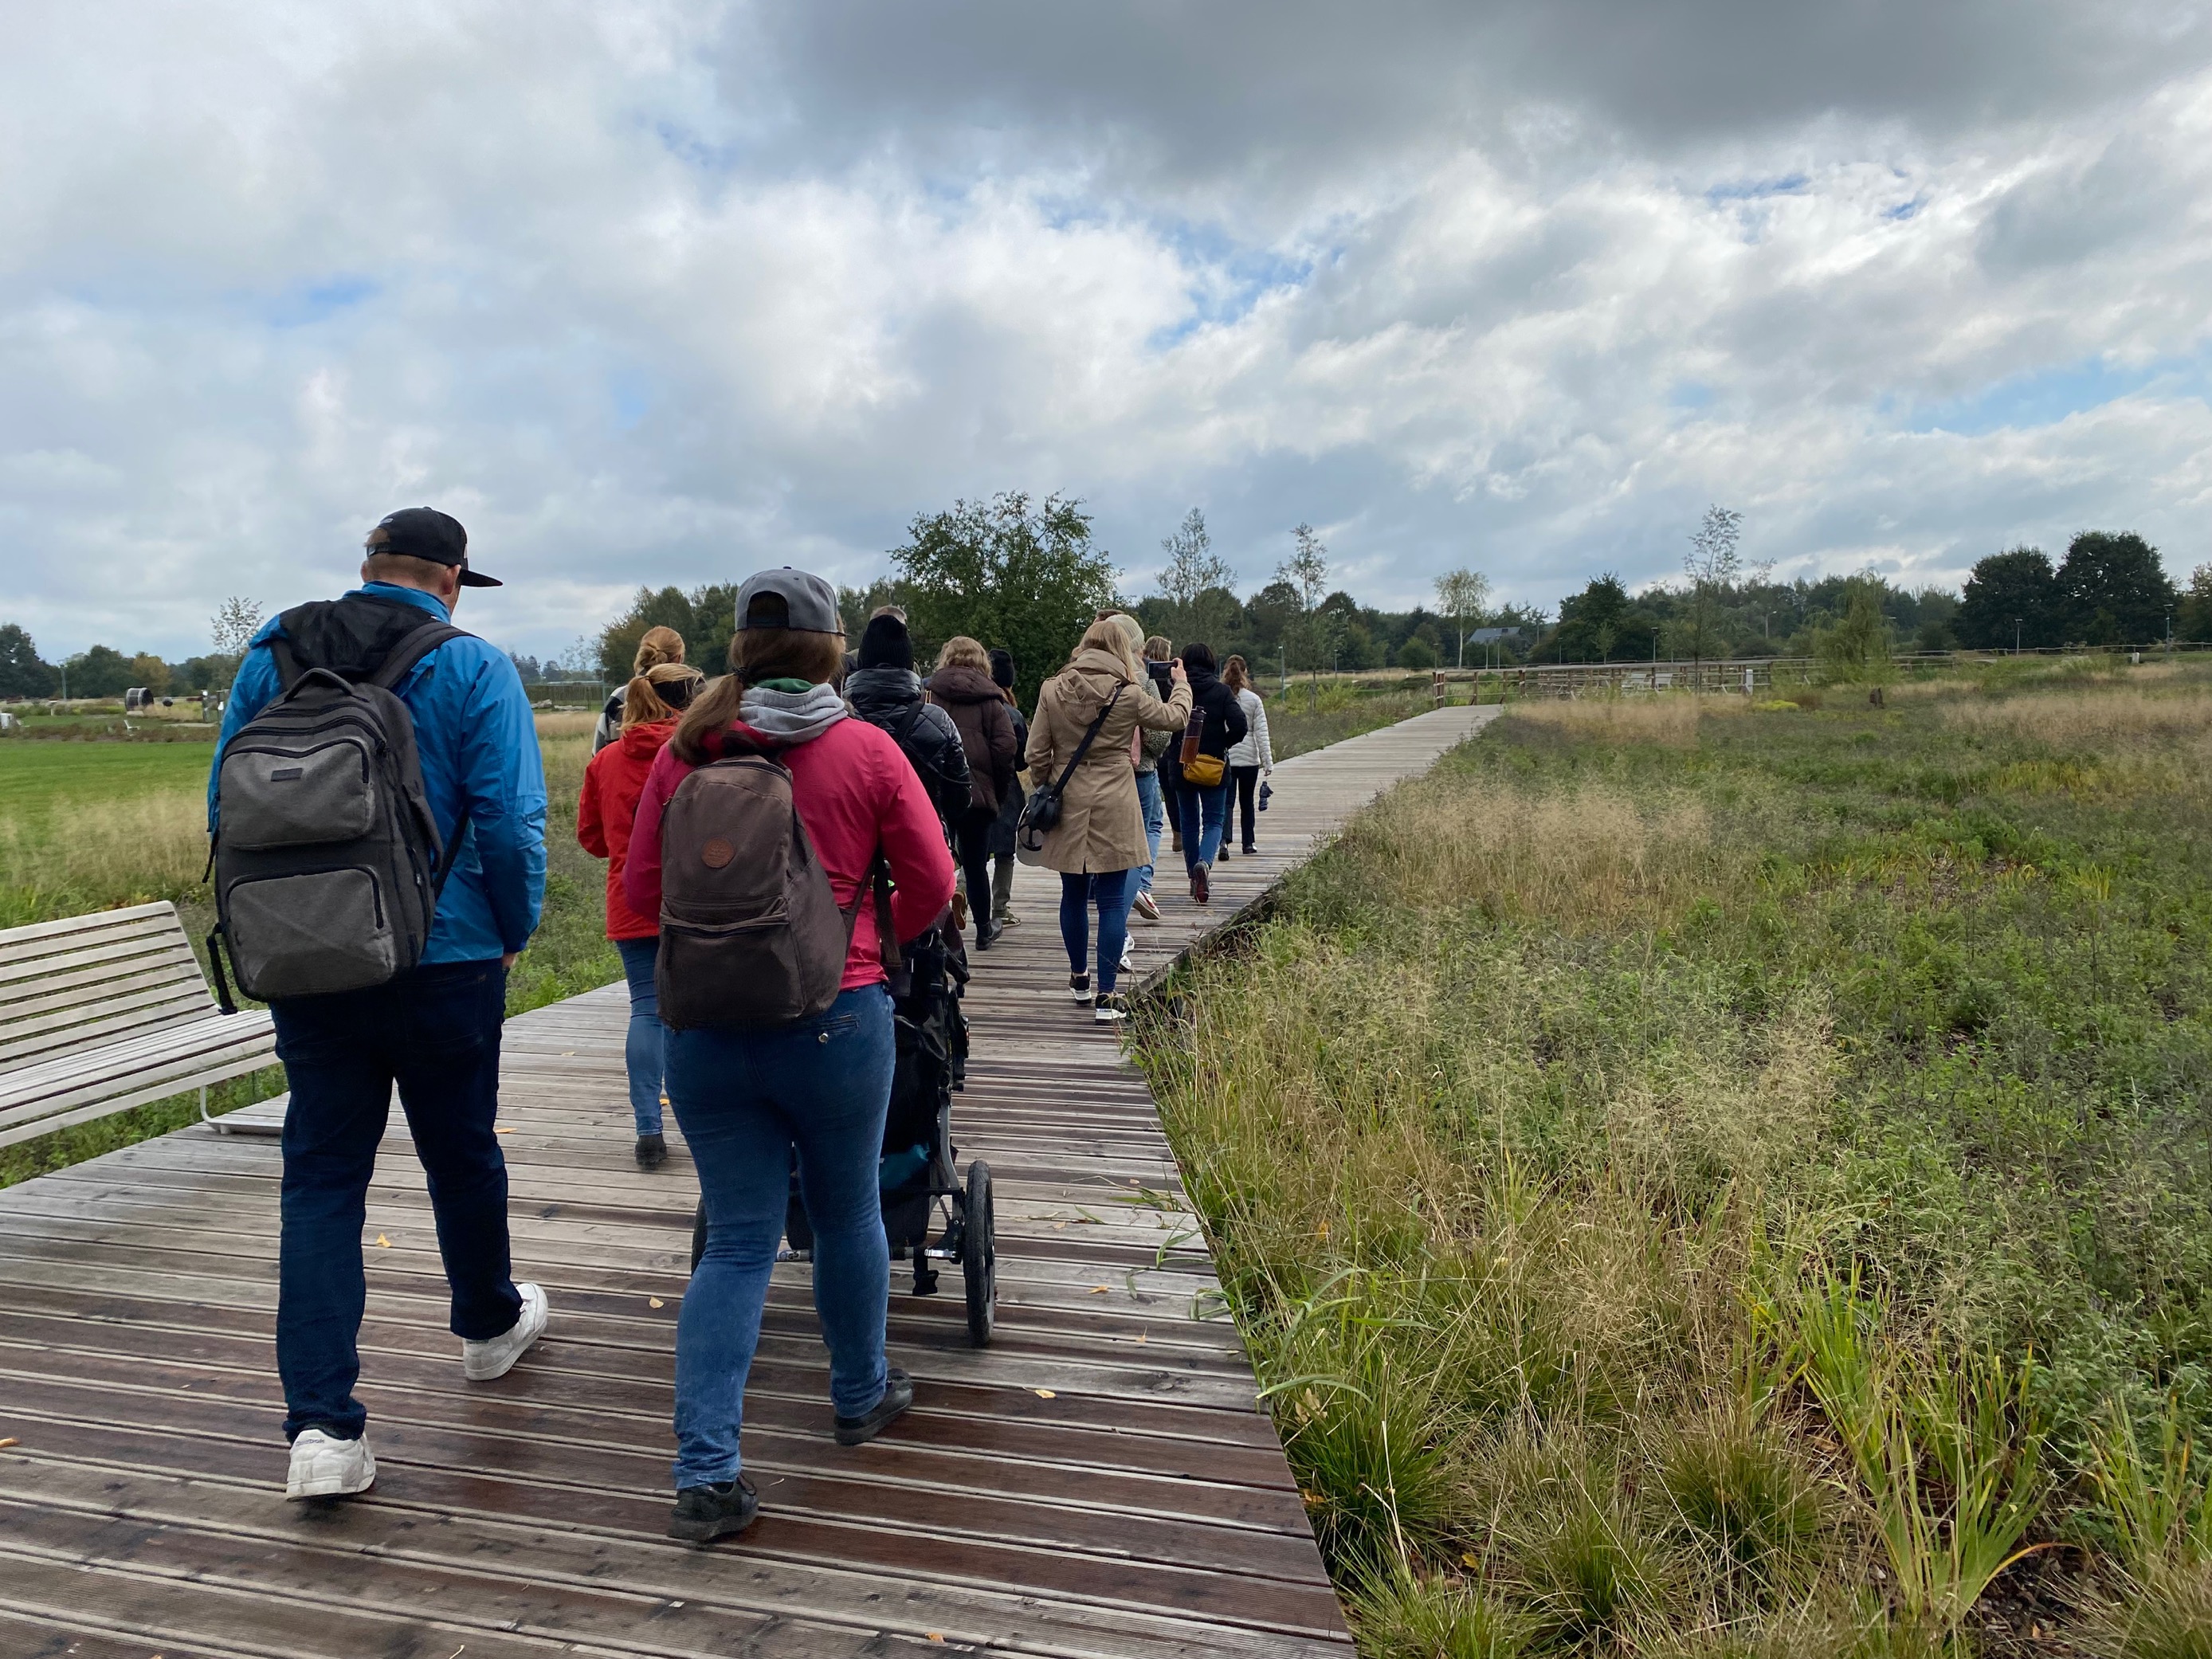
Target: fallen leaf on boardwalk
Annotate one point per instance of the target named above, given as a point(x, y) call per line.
point(935, 1637)
point(1100, 1290)
point(654, 1302)
point(1140, 1336)
point(7, 1443)
point(1046, 1394)
point(1058, 1226)
point(382, 1242)
point(502, 1129)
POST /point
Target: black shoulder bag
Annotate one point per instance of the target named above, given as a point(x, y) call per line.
point(1041, 811)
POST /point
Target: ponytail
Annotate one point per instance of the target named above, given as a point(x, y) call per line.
point(661, 693)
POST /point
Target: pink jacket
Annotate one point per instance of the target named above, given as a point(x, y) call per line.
point(855, 791)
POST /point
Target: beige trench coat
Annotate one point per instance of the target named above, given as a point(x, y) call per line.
point(1102, 827)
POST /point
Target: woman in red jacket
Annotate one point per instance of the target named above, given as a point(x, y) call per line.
point(751, 1097)
point(612, 783)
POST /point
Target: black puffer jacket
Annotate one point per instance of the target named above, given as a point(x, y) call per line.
point(1225, 719)
point(891, 698)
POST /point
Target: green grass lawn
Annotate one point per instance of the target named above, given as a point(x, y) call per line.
point(34, 774)
point(1750, 1177)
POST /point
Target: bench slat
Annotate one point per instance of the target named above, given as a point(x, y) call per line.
point(53, 953)
point(176, 1085)
point(23, 978)
point(79, 925)
point(90, 1029)
point(242, 1041)
point(73, 993)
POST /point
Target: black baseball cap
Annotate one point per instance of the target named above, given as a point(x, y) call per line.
point(423, 532)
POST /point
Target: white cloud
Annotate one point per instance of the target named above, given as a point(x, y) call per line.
point(658, 292)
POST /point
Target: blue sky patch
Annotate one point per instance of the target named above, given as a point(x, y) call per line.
point(2045, 396)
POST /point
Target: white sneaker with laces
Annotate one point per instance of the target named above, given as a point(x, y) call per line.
point(323, 1466)
point(1110, 1011)
point(496, 1355)
point(1145, 907)
point(1128, 957)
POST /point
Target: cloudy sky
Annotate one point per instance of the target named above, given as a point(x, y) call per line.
point(662, 291)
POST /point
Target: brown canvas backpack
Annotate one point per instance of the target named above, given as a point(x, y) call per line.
point(751, 934)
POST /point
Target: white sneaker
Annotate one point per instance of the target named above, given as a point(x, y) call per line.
point(1110, 1011)
point(496, 1355)
point(323, 1466)
point(1129, 958)
point(1145, 907)
point(1079, 986)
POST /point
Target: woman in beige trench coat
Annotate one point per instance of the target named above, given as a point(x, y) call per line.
point(1099, 842)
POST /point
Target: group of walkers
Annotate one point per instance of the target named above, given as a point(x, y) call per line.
point(775, 839)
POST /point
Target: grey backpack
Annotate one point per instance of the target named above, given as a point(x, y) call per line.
point(751, 934)
point(327, 861)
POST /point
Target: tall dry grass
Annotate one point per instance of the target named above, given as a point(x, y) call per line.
point(115, 852)
point(1583, 858)
point(566, 723)
point(2120, 717)
point(1667, 719)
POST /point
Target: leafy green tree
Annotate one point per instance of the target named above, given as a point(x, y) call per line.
point(1007, 573)
point(1310, 635)
point(2192, 620)
point(1460, 596)
point(1193, 569)
point(1857, 648)
point(2011, 598)
point(23, 673)
point(102, 672)
point(1417, 654)
point(706, 617)
point(1712, 565)
point(150, 671)
point(2115, 590)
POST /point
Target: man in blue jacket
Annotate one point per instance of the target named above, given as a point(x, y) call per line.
point(434, 1031)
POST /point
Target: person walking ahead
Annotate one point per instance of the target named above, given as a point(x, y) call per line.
point(1098, 842)
point(1251, 757)
point(753, 1097)
point(435, 1029)
point(604, 813)
point(963, 687)
point(1010, 807)
point(1217, 725)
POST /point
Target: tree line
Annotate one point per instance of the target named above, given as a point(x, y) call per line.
point(101, 671)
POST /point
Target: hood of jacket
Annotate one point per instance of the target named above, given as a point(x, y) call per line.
point(961, 684)
point(352, 635)
point(1087, 682)
point(643, 741)
point(789, 717)
point(874, 692)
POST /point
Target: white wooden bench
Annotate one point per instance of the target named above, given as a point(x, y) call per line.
point(103, 1013)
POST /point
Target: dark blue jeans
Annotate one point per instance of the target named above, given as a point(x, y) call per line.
point(641, 1046)
point(1112, 891)
point(435, 1033)
point(1205, 816)
point(748, 1101)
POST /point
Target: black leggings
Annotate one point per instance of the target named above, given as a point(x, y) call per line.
point(973, 832)
point(1248, 780)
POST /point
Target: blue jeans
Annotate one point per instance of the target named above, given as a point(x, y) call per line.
point(1204, 813)
point(435, 1033)
point(1155, 824)
point(641, 1046)
point(1111, 892)
point(747, 1101)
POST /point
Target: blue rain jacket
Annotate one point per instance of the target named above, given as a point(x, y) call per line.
point(477, 743)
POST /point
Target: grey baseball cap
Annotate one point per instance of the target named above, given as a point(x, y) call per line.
point(789, 598)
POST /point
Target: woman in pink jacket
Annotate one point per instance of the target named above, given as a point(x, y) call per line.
point(750, 1098)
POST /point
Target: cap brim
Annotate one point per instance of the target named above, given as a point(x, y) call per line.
point(478, 579)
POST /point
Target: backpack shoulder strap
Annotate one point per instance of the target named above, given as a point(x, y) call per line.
point(411, 649)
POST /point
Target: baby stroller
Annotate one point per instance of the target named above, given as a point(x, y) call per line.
point(919, 1169)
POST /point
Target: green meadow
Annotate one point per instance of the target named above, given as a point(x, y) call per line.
point(1749, 1186)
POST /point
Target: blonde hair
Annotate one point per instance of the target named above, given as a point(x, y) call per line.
point(1113, 639)
point(659, 693)
point(1235, 674)
point(1159, 649)
point(659, 645)
point(961, 652)
point(755, 654)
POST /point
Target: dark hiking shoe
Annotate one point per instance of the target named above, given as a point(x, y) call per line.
point(1199, 889)
point(652, 1152)
point(899, 1395)
point(1079, 986)
point(702, 1514)
point(986, 934)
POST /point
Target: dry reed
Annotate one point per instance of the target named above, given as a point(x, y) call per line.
point(124, 852)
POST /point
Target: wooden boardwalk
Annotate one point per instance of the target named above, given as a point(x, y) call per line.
point(1098, 1482)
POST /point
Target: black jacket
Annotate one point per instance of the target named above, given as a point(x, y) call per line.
point(1001, 839)
point(891, 698)
point(1224, 723)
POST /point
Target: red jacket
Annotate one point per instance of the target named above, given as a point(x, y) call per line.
point(855, 793)
point(605, 811)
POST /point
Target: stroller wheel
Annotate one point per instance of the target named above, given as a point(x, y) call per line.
point(979, 1255)
point(698, 1233)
